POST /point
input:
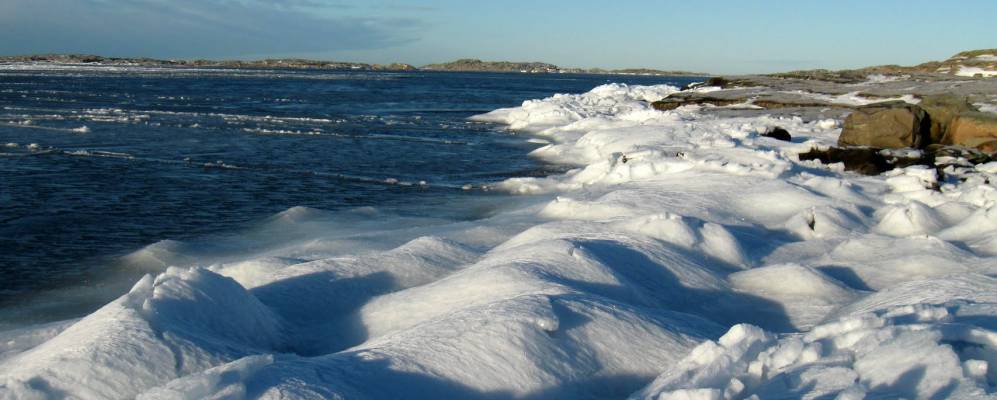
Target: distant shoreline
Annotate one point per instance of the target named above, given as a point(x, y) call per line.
point(462, 65)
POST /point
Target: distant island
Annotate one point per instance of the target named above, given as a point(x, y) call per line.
point(462, 65)
point(294, 63)
point(475, 65)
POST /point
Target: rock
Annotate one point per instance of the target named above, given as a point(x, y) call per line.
point(972, 155)
point(894, 124)
point(972, 129)
point(943, 109)
point(772, 104)
point(988, 147)
point(778, 133)
point(671, 103)
point(667, 105)
point(867, 160)
point(721, 82)
point(717, 81)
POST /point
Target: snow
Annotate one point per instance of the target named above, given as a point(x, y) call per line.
point(986, 107)
point(685, 256)
point(973, 71)
point(881, 78)
point(909, 351)
point(855, 98)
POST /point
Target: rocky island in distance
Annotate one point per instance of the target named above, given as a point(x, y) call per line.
point(461, 65)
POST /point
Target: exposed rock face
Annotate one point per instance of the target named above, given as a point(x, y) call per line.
point(975, 63)
point(671, 103)
point(972, 129)
point(773, 104)
point(894, 124)
point(865, 160)
point(950, 155)
point(943, 109)
point(873, 161)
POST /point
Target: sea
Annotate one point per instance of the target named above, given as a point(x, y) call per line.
point(97, 162)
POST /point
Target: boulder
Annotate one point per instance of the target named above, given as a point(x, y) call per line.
point(893, 124)
point(972, 129)
point(717, 81)
point(778, 133)
point(943, 109)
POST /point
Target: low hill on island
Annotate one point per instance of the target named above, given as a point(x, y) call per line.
point(475, 65)
point(462, 65)
point(293, 63)
point(973, 63)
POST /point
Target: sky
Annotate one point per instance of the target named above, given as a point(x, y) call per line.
point(704, 36)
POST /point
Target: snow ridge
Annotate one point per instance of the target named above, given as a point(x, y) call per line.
point(617, 278)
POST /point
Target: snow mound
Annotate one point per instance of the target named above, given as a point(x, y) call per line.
point(672, 228)
point(807, 294)
point(910, 352)
point(563, 109)
point(182, 321)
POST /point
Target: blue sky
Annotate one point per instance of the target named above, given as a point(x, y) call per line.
point(709, 36)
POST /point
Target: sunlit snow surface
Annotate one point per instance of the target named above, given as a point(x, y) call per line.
point(974, 71)
point(687, 257)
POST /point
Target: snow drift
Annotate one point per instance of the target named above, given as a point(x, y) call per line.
point(687, 256)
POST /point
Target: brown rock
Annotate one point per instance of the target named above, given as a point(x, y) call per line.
point(972, 129)
point(666, 105)
point(894, 124)
point(942, 109)
point(988, 147)
point(671, 103)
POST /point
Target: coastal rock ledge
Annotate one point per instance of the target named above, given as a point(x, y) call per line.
point(942, 120)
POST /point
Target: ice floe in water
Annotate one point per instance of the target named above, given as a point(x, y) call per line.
point(686, 256)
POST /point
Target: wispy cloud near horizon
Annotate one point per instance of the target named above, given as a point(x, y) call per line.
point(194, 28)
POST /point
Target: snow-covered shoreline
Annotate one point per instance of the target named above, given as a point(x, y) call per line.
point(620, 278)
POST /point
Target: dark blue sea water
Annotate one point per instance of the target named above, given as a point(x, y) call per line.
point(97, 162)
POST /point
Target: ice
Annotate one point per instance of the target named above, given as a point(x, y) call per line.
point(16, 341)
point(616, 278)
